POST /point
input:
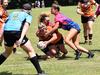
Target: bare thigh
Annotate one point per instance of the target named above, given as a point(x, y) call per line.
point(27, 47)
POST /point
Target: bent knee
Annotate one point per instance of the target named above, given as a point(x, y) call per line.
point(76, 44)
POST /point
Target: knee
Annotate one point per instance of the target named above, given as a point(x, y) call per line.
point(76, 44)
point(67, 40)
point(31, 53)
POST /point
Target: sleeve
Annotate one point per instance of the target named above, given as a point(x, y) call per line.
point(59, 19)
point(29, 19)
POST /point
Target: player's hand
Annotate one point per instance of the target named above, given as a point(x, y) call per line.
point(94, 16)
point(18, 43)
point(46, 43)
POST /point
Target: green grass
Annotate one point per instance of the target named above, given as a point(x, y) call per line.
point(17, 64)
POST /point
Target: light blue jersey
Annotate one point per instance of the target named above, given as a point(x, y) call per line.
point(16, 21)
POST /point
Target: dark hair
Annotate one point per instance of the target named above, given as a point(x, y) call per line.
point(55, 6)
point(27, 6)
point(83, 1)
point(1, 2)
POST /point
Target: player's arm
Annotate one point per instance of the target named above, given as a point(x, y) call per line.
point(53, 38)
point(78, 10)
point(24, 30)
point(26, 26)
point(97, 13)
point(56, 26)
point(1, 13)
point(97, 5)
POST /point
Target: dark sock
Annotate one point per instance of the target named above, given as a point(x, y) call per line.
point(2, 59)
point(77, 51)
point(14, 50)
point(89, 52)
point(35, 62)
point(86, 38)
point(90, 36)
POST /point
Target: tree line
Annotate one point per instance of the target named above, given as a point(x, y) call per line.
point(13, 4)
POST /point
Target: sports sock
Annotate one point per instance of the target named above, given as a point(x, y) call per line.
point(86, 38)
point(35, 62)
point(90, 36)
point(14, 50)
point(2, 59)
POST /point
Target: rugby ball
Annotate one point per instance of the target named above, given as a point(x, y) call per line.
point(41, 45)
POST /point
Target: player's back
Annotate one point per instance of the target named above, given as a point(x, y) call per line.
point(15, 20)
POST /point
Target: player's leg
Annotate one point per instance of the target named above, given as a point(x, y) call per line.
point(85, 30)
point(52, 50)
point(8, 43)
point(84, 21)
point(14, 48)
point(76, 42)
point(5, 54)
point(90, 29)
point(32, 56)
point(63, 50)
point(68, 41)
point(61, 47)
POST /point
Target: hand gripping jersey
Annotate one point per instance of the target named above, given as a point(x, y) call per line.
point(59, 36)
point(16, 20)
point(49, 28)
point(65, 22)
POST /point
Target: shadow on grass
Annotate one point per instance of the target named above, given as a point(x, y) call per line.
point(81, 43)
point(64, 58)
point(6, 73)
point(10, 73)
point(96, 50)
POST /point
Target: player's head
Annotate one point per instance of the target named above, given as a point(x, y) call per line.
point(41, 26)
point(44, 18)
point(55, 8)
point(4, 3)
point(42, 29)
point(27, 7)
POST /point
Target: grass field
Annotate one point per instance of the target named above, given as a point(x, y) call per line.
point(16, 64)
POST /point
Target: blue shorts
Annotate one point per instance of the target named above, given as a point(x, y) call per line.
point(70, 26)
